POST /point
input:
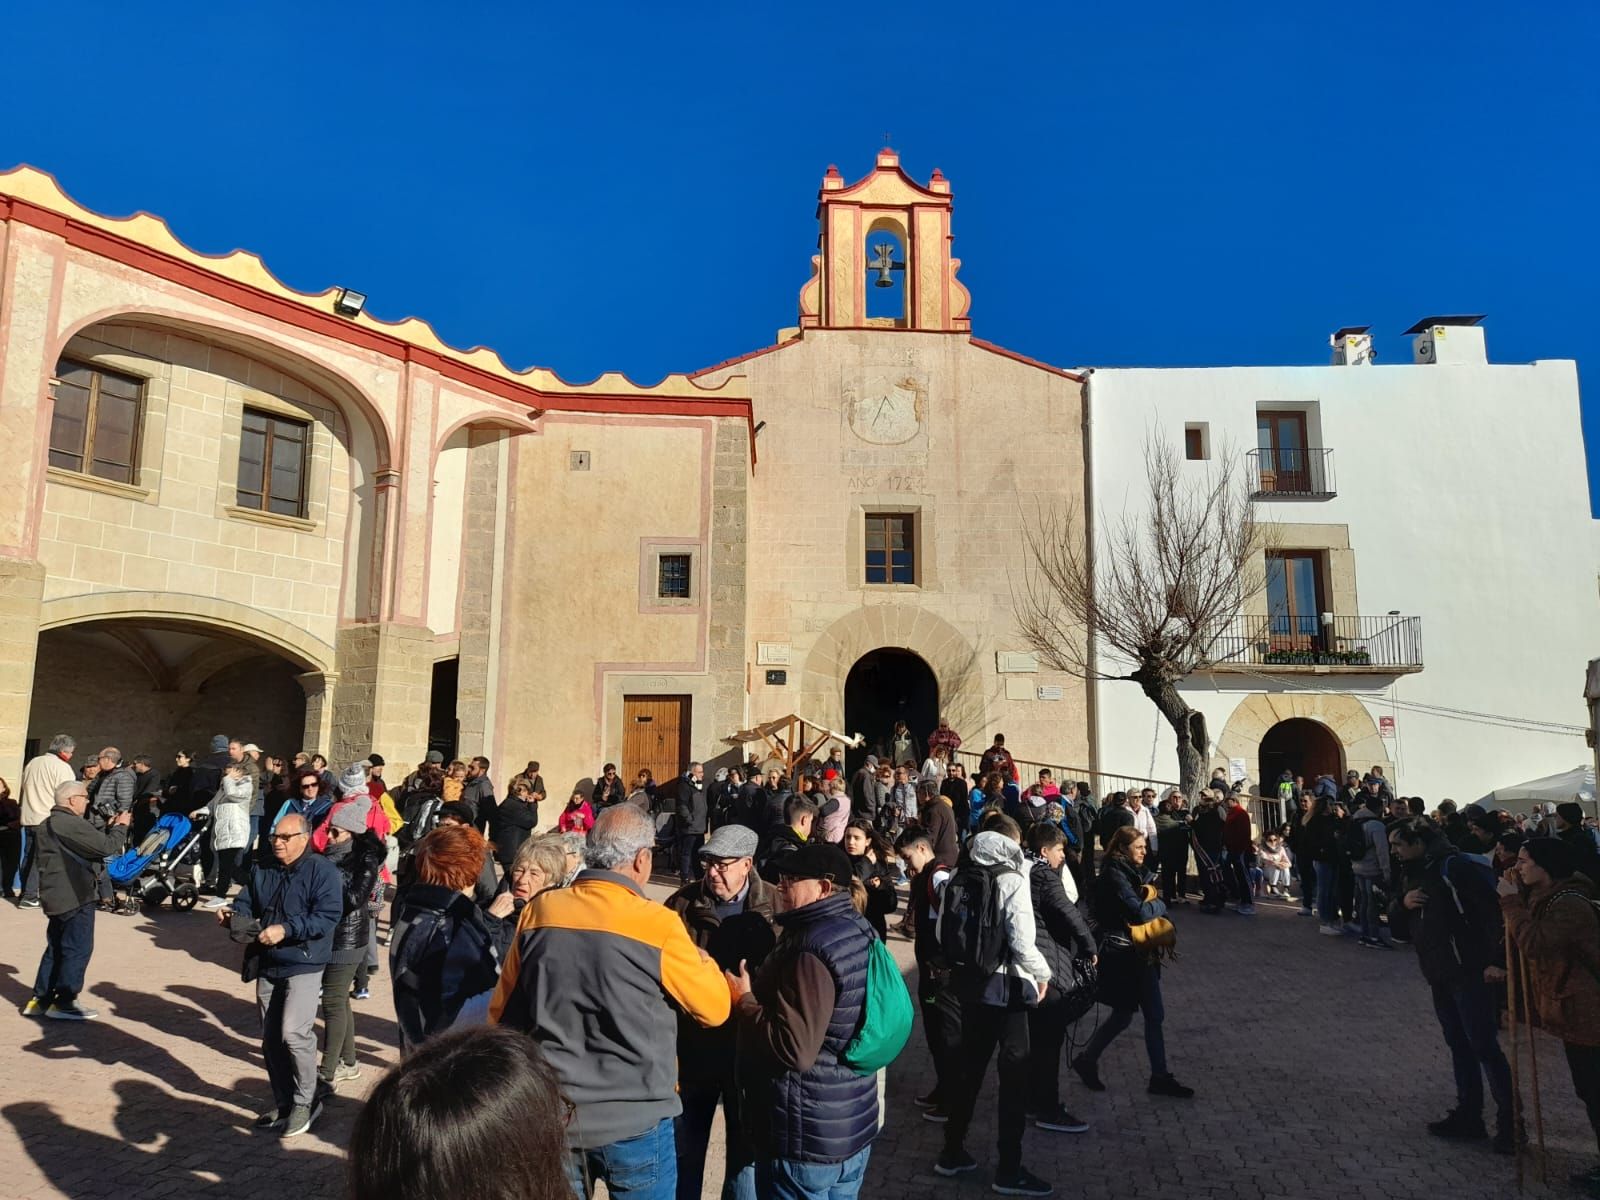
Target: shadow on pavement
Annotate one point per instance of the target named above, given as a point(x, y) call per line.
point(167, 1145)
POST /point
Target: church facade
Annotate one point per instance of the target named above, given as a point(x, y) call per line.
point(237, 507)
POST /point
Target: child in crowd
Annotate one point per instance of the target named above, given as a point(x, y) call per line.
point(577, 817)
point(1274, 859)
point(455, 780)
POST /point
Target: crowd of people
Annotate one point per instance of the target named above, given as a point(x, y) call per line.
point(535, 979)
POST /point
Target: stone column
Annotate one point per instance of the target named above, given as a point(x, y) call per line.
point(21, 591)
point(385, 683)
point(318, 687)
point(725, 655)
point(479, 594)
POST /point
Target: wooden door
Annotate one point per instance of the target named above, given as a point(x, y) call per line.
point(1285, 464)
point(1295, 599)
point(655, 735)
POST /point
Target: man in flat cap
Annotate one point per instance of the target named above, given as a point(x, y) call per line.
point(728, 913)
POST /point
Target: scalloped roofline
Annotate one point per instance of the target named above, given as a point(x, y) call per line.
point(37, 198)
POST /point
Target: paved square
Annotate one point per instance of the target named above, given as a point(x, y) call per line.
point(1316, 1062)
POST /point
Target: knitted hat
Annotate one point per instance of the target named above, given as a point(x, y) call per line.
point(349, 816)
point(219, 744)
point(1571, 812)
point(434, 756)
point(354, 779)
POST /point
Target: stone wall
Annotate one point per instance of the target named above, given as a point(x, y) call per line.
point(177, 530)
point(965, 438)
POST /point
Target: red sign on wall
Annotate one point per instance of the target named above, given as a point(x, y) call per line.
point(1386, 727)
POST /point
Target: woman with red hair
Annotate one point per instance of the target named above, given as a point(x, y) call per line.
point(442, 954)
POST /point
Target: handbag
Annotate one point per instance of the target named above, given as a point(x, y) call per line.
point(1079, 988)
point(1157, 935)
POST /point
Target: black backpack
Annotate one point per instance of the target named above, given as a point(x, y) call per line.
point(1353, 841)
point(972, 933)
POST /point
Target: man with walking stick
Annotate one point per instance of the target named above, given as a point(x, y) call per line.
point(1553, 952)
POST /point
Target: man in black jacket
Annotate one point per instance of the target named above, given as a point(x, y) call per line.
point(691, 809)
point(1455, 925)
point(1062, 935)
point(478, 791)
point(729, 916)
point(941, 1007)
point(799, 815)
point(608, 789)
point(70, 853)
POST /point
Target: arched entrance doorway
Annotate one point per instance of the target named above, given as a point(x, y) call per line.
point(883, 687)
point(153, 686)
point(1302, 747)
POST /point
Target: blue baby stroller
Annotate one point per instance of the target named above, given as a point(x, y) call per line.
point(162, 866)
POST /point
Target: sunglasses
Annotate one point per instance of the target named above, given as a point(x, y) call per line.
point(283, 838)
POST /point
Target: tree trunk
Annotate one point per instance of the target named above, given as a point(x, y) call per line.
point(1188, 725)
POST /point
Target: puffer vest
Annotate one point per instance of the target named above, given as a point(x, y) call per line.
point(828, 1113)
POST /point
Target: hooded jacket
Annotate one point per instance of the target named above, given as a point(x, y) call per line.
point(1022, 976)
point(230, 813)
point(1374, 861)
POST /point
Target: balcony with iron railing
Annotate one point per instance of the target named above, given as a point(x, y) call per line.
point(1291, 474)
point(1322, 644)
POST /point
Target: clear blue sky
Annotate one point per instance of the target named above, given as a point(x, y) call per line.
point(632, 187)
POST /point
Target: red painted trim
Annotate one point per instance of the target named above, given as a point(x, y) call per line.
point(1023, 358)
point(252, 299)
point(731, 362)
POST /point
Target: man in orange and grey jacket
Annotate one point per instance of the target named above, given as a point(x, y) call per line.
point(600, 946)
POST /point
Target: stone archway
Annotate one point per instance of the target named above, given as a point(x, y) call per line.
point(1344, 717)
point(953, 659)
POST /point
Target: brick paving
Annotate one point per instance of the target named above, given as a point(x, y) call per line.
point(1316, 1061)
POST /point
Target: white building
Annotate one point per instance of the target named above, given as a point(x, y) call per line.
point(1436, 548)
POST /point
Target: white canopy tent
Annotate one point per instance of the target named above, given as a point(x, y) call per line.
point(1576, 784)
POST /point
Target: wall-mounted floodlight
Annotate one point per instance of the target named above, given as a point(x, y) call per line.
point(348, 302)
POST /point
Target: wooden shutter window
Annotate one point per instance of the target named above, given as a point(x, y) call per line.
point(94, 425)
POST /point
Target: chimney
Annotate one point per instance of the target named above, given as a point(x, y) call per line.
point(1448, 341)
point(1352, 346)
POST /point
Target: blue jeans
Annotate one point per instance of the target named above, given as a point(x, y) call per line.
point(1471, 1025)
point(1328, 892)
point(785, 1179)
point(700, 1100)
point(1367, 906)
point(1155, 1044)
point(68, 943)
point(644, 1167)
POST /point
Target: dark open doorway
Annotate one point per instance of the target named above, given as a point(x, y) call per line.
point(443, 728)
point(1303, 747)
point(883, 687)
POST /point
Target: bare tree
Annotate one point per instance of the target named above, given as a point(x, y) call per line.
point(1153, 601)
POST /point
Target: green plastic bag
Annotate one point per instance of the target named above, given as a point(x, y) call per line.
point(885, 1015)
